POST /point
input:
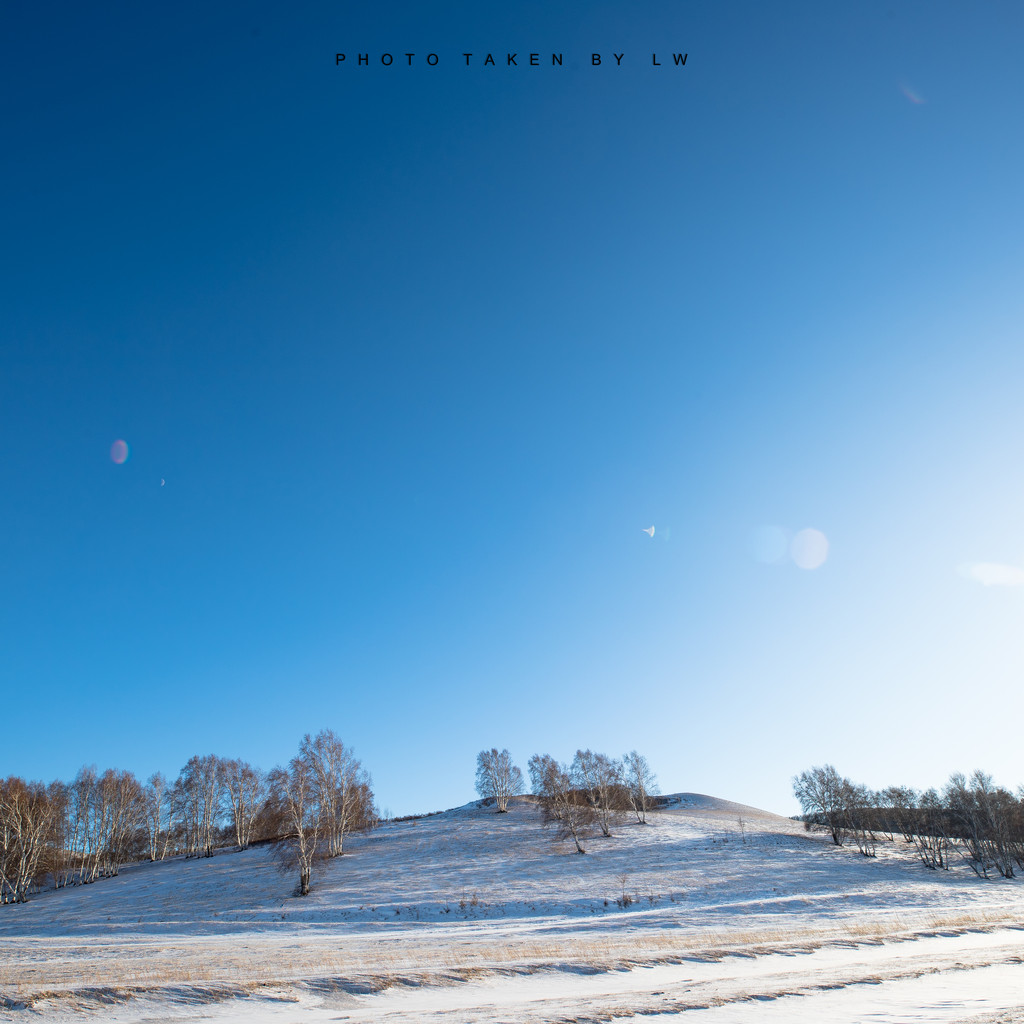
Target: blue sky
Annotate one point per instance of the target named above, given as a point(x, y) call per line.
point(407, 358)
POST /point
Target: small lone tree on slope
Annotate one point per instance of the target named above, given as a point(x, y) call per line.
point(497, 777)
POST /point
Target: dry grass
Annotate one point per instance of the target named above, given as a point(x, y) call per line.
point(213, 970)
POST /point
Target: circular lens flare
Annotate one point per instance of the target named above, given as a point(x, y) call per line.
point(809, 549)
point(119, 452)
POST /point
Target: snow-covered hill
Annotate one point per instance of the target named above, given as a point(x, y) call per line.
point(473, 896)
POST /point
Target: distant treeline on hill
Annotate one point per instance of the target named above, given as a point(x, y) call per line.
point(74, 833)
point(588, 795)
point(971, 818)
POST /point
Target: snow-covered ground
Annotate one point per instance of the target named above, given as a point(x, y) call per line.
point(473, 916)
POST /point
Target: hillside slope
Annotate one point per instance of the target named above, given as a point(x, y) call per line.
point(468, 892)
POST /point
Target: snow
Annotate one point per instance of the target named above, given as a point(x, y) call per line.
point(475, 916)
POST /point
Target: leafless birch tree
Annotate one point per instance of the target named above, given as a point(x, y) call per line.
point(543, 769)
point(26, 825)
point(562, 804)
point(342, 787)
point(156, 807)
point(498, 778)
point(569, 810)
point(124, 800)
point(58, 858)
point(599, 777)
point(640, 784)
point(302, 844)
point(199, 793)
point(246, 789)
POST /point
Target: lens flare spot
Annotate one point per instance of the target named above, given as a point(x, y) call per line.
point(809, 548)
point(911, 95)
point(769, 544)
point(119, 452)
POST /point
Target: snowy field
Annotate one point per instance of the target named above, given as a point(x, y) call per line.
point(473, 916)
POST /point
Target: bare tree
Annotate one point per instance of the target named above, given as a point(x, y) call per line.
point(823, 796)
point(199, 792)
point(97, 823)
point(861, 813)
point(981, 817)
point(542, 769)
point(125, 837)
point(174, 810)
point(302, 843)
point(26, 825)
point(246, 789)
point(562, 804)
point(997, 809)
point(78, 826)
point(156, 806)
point(968, 822)
point(1007, 817)
point(640, 784)
point(570, 810)
point(1017, 827)
point(343, 787)
point(599, 777)
point(932, 835)
point(897, 805)
point(58, 857)
point(498, 778)
point(105, 822)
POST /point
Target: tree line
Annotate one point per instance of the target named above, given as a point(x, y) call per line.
point(589, 795)
point(74, 833)
point(970, 818)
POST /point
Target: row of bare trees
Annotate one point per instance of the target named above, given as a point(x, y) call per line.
point(970, 817)
point(591, 794)
point(27, 818)
point(75, 833)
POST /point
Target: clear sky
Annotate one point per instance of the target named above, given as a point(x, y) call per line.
point(408, 358)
